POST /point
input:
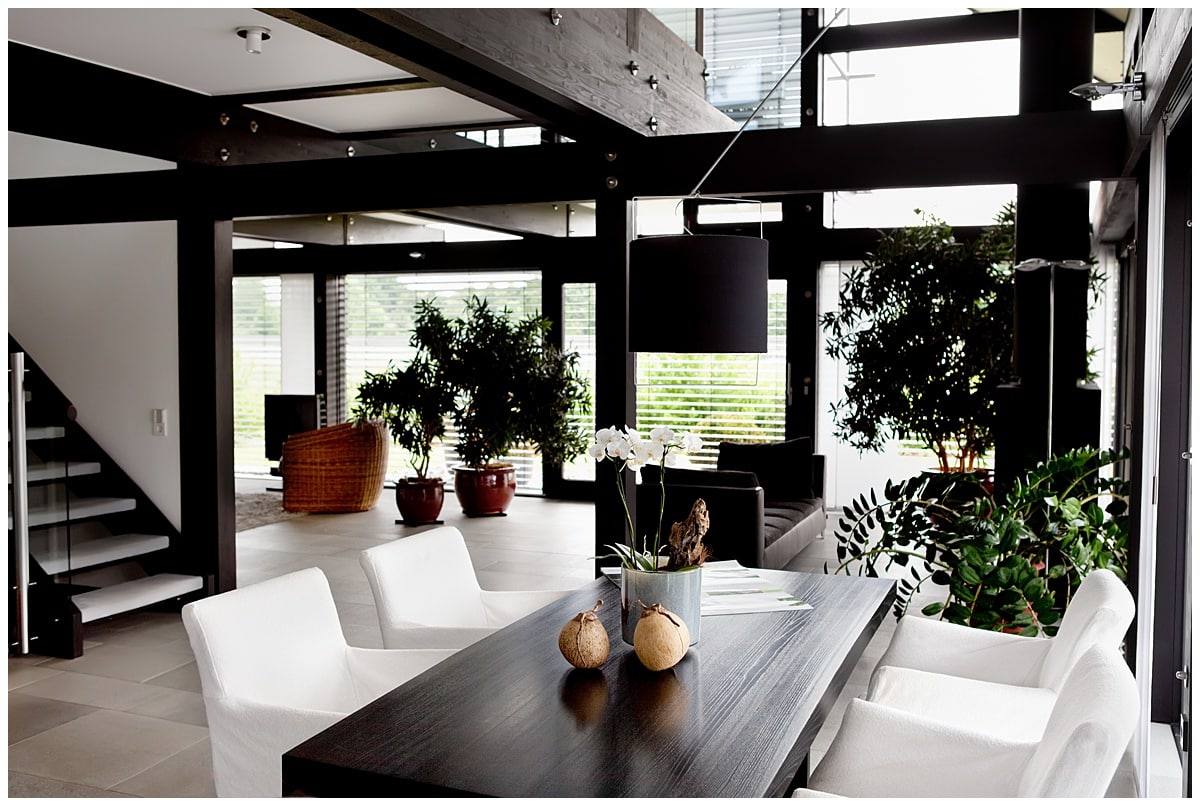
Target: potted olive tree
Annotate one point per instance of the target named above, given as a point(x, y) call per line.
point(414, 403)
point(513, 386)
point(924, 327)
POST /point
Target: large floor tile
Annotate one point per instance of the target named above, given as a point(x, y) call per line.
point(187, 774)
point(86, 689)
point(22, 674)
point(175, 706)
point(21, 785)
point(102, 748)
point(185, 678)
point(124, 662)
point(28, 716)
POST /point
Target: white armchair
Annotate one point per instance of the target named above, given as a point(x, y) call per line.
point(881, 751)
point(428, 596)
point(993, 682)
point(275, 670)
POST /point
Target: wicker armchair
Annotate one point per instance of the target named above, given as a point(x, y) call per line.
point(335, 469)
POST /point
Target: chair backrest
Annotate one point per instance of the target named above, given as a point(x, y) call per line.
point(1099, 613)
point(425, 579)
point(1092, 722)
point(278, 642)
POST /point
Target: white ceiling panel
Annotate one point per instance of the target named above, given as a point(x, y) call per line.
point(196, 49)
point(388, 110)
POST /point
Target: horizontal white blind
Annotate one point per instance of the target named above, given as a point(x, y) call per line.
point(747, 50)
point(256, 366)
point(579, 336)
point(733, 398)
point(380, 315)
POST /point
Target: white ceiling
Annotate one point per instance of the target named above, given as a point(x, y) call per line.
point(198, 50)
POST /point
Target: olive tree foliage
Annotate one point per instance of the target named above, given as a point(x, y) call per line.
point(924, 327)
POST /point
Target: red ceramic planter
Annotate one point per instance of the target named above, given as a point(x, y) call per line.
point(420, 501)
point(485, 491)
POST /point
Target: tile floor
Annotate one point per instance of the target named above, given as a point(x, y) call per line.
point(127, 718)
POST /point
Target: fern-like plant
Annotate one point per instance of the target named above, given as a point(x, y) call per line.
point(1008, 563)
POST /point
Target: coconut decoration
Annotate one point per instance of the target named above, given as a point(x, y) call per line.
point(583, 640)
point(660, 639)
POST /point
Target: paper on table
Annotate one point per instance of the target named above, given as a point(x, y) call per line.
point(726, 587)
point(729, 587)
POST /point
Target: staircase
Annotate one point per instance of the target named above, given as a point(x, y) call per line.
point(98, 546)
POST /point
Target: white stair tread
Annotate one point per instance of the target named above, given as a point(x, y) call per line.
point(80, 509)
point(88, 552)
point(105, 602)
point(59, 470)
point(42, 432)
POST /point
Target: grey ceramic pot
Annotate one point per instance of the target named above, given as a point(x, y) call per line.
point(677, 591)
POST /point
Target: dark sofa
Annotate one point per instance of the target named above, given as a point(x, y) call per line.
point(765, 501)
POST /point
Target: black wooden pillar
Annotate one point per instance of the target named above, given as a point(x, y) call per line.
point(616, 403)
point(796, 256)
point(1052, 225)
point(205, 293)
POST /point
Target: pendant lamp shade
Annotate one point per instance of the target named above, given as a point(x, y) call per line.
point(698, 294)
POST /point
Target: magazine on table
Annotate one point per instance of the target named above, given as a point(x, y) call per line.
point(727, 587)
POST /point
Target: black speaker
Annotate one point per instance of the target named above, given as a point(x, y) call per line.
point(284, 415)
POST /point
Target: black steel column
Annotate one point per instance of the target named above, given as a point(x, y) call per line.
point(205, 293)
point(616, 402)
point(795, 256)
point(1052, 224)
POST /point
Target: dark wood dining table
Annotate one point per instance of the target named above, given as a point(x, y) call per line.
point(509, 717)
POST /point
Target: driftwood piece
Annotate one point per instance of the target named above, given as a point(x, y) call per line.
point(684, 547)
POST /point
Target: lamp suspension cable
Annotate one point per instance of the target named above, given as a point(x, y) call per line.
point(837, 13)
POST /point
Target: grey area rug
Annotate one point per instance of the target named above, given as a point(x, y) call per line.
point(259, 509)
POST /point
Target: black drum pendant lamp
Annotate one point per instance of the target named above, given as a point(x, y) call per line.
point(702, 293)
point(698, 294)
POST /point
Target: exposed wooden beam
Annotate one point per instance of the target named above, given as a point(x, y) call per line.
point(1038, 148)
point(385, 258)
point(328, 91)
point(98, 106)
point(572, 77)
point(914, 33)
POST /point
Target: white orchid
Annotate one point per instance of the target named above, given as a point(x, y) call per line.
point(627, 449)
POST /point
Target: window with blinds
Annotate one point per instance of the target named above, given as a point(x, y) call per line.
point(579, 336)
point(735, 398)
point(380, 311)
point(257, 361)
point(747, 50)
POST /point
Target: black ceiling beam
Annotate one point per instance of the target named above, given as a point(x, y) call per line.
point(327, 91)
point(981, 27)
point(67, 99)
point(1036, 148)
point(433, 256)
point(97, 199)
point(1041, 148)
point(914, 33)
point(571, 76)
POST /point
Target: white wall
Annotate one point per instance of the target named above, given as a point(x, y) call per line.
point(95, 306)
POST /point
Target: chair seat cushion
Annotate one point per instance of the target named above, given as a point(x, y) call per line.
point(781, 517)
point(1014, 713)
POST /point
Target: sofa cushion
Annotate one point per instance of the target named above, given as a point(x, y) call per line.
point(703, 478)
point(781, 517)
point(784, 469)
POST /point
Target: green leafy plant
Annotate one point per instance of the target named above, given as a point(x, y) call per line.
point(924, 327)
point(511, 384)
point(1008, 563)
point(414, 403)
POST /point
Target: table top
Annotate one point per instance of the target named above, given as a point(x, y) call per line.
point(509, 717)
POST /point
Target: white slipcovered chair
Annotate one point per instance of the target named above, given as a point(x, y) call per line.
point(881, 751)
point(428, 596)
point(997, 683)
point(275, 670)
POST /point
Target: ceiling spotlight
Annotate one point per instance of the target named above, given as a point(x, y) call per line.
point(1098, 89)
point(254, 35)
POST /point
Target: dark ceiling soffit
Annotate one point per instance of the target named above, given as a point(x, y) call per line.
point(937, 31)
point(541, 254)
point(1021, 149)
point(327, 91)
point(111, 109)
point(1166, 59)
point(571, 78)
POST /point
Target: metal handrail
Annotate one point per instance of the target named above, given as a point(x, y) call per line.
point(20, 494)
